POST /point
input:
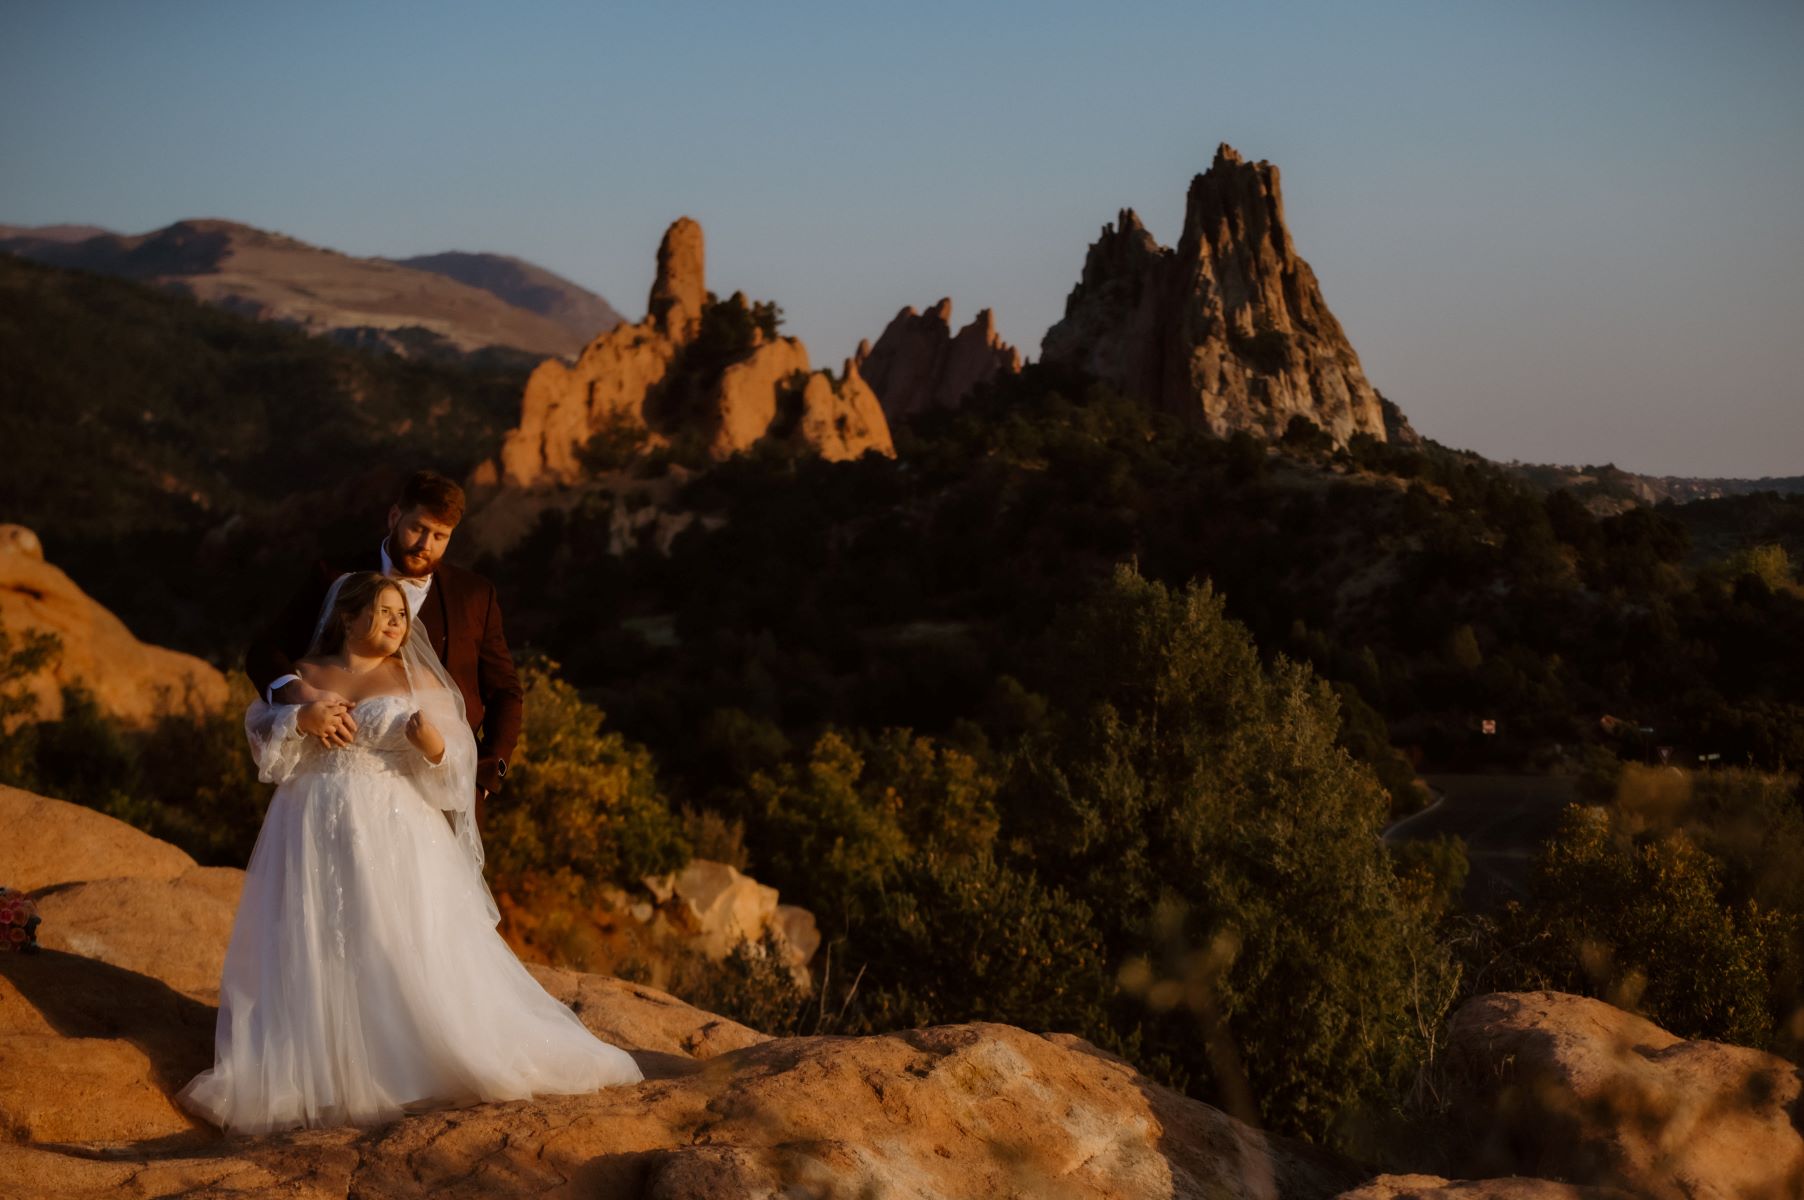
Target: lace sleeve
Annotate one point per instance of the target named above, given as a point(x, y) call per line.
point(276, 743)
point(449, 783)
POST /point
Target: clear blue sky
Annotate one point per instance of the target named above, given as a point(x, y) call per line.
point(1555, 230)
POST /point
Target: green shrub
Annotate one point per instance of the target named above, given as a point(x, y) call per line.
point(1639, 922)
point(839, 827)
point(578, 798)
point(1196, 801)
point(34, 652)
point(1434, 871)
point(965, 938)
point(187, 778)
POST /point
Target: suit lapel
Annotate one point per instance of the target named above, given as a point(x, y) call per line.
point(435, 611)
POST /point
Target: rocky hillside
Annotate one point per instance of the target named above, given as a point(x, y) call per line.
point(441, 304)
point(144, 435)
point(100, 1028)
point(581, 313)
point(1229, 328)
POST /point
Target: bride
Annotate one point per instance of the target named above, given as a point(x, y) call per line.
point(364, 976)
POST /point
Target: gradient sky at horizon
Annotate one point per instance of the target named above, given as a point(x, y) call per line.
point(1554, 231)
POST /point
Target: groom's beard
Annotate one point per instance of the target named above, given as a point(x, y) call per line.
point(406, 563)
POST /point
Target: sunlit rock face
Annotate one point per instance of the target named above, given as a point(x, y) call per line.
point(623, 379)
point(129, 679)
point(1573, 1088)
point(1229, 328)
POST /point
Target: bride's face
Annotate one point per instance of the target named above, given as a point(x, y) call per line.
point(379, 629)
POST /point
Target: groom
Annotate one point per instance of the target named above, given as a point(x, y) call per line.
point(456, 608)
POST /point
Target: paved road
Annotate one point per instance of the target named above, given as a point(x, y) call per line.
point(1503, 818)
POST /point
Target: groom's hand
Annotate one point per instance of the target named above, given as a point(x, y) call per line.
point(328, 720)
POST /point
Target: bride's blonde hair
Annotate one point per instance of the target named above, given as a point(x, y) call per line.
point(356, 596)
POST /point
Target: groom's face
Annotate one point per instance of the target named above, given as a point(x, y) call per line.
point(416, 540)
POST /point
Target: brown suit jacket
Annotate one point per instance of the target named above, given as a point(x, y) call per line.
point(463, 619)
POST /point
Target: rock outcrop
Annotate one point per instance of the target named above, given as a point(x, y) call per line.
point(1229, 328)
point(1571, 1088)
point(131, 680)
point(724, 907)
point(918, 363)
point(842, 418)
point(638, 381)
point(611, 382)
point(101, 1028)
point(704, 910)
point(743, 406)
point(681, 286)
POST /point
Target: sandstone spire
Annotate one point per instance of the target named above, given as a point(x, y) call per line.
point(679, 291)
point(1229, 327)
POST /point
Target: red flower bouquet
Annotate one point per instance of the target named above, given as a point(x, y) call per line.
point(18, 921)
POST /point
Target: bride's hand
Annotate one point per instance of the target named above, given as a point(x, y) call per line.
point(328, 719)
point(425, 737)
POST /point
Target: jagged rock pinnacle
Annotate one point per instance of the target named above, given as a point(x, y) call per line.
point(1230, 327)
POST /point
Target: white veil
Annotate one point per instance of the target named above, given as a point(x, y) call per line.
point(450, 785)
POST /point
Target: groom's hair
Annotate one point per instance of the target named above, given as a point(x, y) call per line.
point(442, 499)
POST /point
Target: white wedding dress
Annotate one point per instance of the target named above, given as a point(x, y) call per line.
point(365, 975)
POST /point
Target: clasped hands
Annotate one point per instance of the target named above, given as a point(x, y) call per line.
point(327, 716)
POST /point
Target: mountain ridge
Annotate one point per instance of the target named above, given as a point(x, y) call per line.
point(448, 304)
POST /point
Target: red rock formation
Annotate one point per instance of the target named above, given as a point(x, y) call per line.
point(129, 679)
point(624, 374)
point(564, 406)
point(680, 289)
point(841, 419)
point(919, 364)
point(1229, 327)
point(742, 406)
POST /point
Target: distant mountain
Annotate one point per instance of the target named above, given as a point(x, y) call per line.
point(53, 233)
point(142, 431)
point(1608, 488)
point(526, 286)
point(369, 302)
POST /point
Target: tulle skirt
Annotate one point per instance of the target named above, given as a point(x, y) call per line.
point(364, 977)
